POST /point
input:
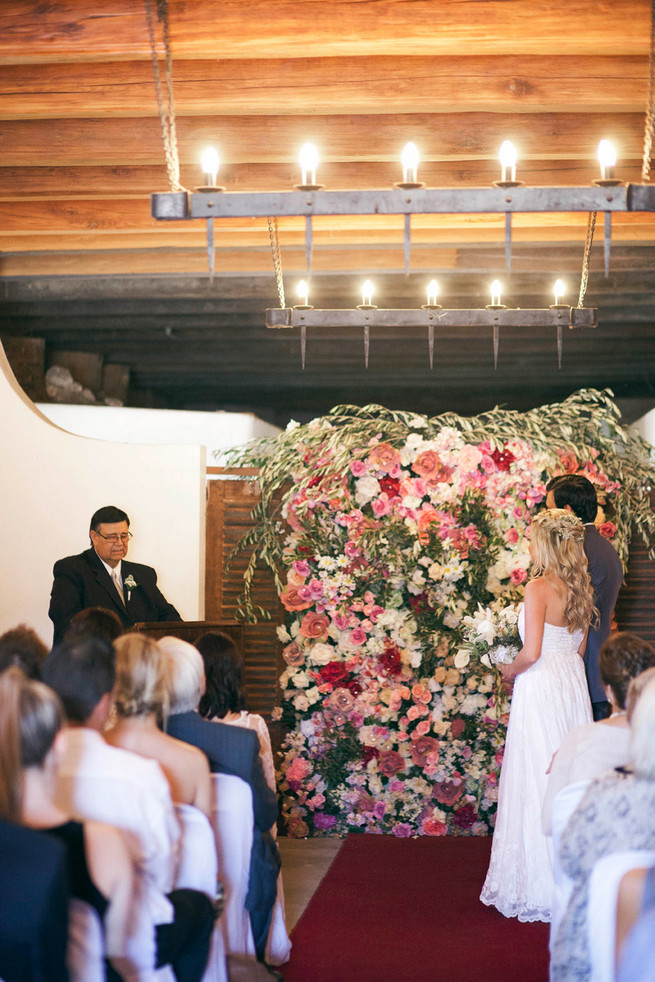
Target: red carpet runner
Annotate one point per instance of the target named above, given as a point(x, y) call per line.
point(407, 910)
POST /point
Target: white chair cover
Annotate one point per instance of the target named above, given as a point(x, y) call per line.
point(601, 912)
point(564, 804)
point(232, 818)
point(233, 824)
point(198, 870)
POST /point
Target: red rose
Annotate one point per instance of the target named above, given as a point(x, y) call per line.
point(334, 673)
point(390, 762)
point(389, 660)
point(457, 727)
point(465, 817)
point(502, 459)
point(432, 826)
point(369, 753)
point(607, 530)
point(391, 485)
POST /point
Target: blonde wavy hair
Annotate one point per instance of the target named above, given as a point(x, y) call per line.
point(141, 684)
point(557, 536)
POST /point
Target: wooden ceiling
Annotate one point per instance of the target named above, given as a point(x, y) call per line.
point(83, 265)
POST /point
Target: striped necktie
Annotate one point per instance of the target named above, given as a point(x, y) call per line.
point(117, 583)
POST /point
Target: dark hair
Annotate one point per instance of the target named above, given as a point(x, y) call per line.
point(95, 622)
point(31, 715)
point(23, 647)
point(108, 515)
point(623, 657)
point(576, 491)
point(223, 673)
point(81, 671)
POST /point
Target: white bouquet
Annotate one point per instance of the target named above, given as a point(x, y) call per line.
point(491, 634)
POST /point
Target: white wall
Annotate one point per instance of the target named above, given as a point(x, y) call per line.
point(52, 481)
point(216, 431)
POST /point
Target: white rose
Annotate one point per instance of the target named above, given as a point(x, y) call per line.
point(301, 702)
point(366, 488)
point(462, 658)
point(321, 653)
point(301, 680)
point(282, 634)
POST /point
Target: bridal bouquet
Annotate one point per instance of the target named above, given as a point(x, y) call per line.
point(491, 633)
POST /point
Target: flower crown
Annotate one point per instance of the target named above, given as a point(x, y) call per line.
point(563, 523)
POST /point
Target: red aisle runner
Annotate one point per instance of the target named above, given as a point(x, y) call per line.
point(407, 910)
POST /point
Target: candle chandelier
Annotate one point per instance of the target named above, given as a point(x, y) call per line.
point(407, 197)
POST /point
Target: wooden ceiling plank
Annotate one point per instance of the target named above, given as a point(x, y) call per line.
point(70, 30)
point(398, 84)
point(269, 139)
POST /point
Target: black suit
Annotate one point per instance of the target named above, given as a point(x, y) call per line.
point(606, 573)
point(83, 581)
point(235, 750)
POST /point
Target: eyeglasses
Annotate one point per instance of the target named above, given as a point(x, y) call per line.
point(114, 539)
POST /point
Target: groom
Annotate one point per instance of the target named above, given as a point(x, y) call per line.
point(99, 577)
point(575, 493)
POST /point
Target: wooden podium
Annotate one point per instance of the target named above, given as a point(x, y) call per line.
point(191, 630)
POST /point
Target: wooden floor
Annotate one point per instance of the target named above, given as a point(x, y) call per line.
point(304, 864)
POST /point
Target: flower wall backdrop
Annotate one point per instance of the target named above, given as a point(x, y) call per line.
point(392, 531)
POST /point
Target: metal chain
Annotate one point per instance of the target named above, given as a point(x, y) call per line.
point(166, 116)
point(649, 124)
point(277, 258)
point(591, 225)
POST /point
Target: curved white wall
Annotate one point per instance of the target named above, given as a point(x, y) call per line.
point(51, 482)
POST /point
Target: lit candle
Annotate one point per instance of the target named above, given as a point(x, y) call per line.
point(409, 159)
point(367, 294)
point(433, 293)
point(495, 293)
point(507, 158)
point(558, 290)
point(606, 158)
point(308, 160)
point(210, 163)
point(303, 292)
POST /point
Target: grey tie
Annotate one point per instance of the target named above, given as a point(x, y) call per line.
point(117, 583)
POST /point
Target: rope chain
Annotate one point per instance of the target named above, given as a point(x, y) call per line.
point(591, 225)
point(166, 116)
point(277, 259)
point(649, 124)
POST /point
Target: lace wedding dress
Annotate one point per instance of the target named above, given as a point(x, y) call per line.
point(548, 700)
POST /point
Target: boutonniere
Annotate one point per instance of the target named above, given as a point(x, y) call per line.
point(130, 583)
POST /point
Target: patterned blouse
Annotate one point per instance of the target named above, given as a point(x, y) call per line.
point(617, 813)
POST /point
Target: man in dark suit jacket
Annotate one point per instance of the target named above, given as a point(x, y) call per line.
point(99, 577)
point(577, 494)
point(229, 750)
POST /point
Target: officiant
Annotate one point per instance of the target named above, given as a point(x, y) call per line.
point(100, 577)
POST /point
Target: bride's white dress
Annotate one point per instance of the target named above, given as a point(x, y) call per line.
point(548, 700)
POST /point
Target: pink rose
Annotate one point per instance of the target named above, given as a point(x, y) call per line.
point(607, 529)
point(402, 830)
point(423, 728)
point(301, 567)
point(428, 465)
point(384, 457)
point(381, 506)
point(315, 626)
point(293, 655)
point(358, 636)
point(390, 762)
point(469, 458)
point(422, 747)
point(512, 536)
point(298, 769)
point(341, 700)
point(569, 463)
point(358, 468)
point(432, 826)
point(447, 792)
point(518, 576)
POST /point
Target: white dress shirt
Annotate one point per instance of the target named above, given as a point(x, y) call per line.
point(96, 781)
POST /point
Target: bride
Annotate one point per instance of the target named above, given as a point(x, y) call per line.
point(550, 697)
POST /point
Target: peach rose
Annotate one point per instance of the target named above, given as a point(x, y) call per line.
point(384, 457)
point(293, 655)
point(315, 626)
point(292, 600)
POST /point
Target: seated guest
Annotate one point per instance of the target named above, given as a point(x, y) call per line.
point(99, 866)
point(589, 750)
point(34, 908)
point(140, 699)
point(100, 577)
point(95, 622)
point(223, 698)
point(230, 750)
point(616, 814)
point(24, 648)
point(104, 783)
